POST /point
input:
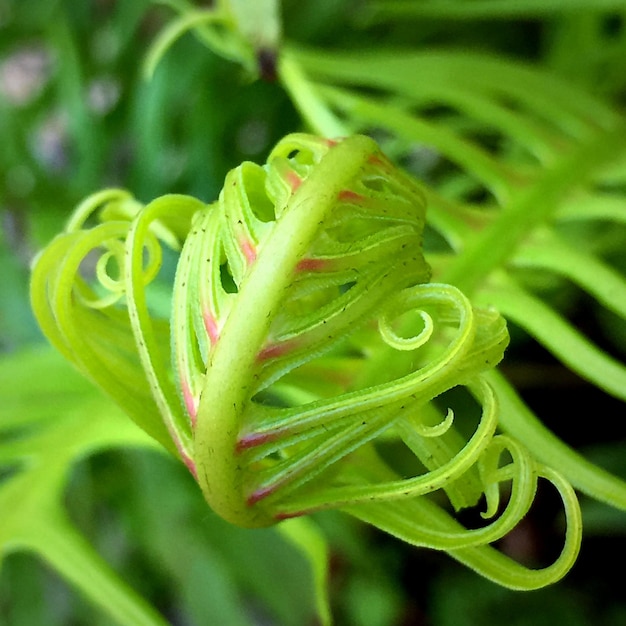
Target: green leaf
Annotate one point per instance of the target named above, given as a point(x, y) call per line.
point(310, 541)
point(518, 420)
point(38, 448)
point(549, 328)
point(486, 9)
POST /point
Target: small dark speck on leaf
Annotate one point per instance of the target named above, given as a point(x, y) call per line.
point(266, 62)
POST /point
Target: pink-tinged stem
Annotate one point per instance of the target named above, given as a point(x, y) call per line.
point(186, 459)
point(190, 402)
point(210, 323)
point(259, 494)
point(252, 440)
point(279, 517)
point(191, 466)
point(274, 350)
point(249, 251)
point(311, 265)
point(379, 160)
point(293, 180)
point(347, 195)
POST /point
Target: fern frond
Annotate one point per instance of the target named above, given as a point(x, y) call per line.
point(516, 157)
point(305, 339)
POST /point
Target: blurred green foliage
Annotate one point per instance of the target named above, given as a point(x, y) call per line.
point(76, 115)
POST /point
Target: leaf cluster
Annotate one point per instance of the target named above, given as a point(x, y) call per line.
point(512, 118)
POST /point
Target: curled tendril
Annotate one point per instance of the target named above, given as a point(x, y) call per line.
point(306, 341)
point(393, 339)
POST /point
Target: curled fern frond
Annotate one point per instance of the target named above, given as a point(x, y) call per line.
point(295, 295)
point(522, 165)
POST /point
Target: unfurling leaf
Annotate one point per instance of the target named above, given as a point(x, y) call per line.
point(294, 362)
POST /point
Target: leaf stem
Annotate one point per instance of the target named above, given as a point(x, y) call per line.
point(79, 563)
point(228, 381)
point(491, 248)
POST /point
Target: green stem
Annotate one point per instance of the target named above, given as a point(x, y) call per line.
point(486, 9)
point(598, 279)
point(519, 421)
point(229, 379)
point(545, 324)
point(76, 560)
point(311, 104)
point(493, 247)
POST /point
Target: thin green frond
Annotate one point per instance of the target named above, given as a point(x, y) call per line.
point(555, 333)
